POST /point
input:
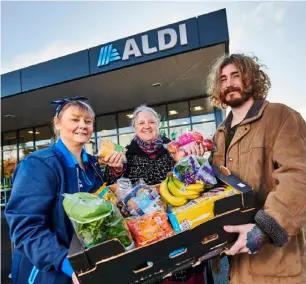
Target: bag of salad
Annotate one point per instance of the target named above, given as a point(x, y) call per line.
point(96, 220)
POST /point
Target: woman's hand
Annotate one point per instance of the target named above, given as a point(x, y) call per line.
point(115, 161)
point(251, 239)
point(195, 149)
point(75, 279)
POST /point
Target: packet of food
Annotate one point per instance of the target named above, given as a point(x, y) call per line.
point(106, 193)
point(124, 187)
point(150, 228)
point(143, 199)
point(198, 210)
point(178, 148)
point(193, 168)
point(107, 147)
point(96, 220)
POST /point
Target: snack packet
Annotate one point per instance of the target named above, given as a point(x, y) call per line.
point(198, 210)
point(150, 228)
point(107, 147)
point(96, 220)
point(107, 194)
point(143, 199)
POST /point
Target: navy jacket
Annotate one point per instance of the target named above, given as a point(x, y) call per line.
point(39, 227)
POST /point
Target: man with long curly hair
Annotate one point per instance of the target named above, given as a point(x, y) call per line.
point(264, 144)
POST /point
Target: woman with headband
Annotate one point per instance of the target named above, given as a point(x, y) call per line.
point(39, 228)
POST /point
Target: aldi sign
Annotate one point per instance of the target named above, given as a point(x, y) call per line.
point(162, 42)
point(167, 38)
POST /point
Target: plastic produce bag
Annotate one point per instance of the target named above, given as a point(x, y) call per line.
point(96, 220)
point(177, 148)
point(150, 228)
point(143, 199)
point(124, 188)
point(194, 168)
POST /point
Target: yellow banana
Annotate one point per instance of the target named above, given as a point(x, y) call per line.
point(194, 196)
point(196, 187)
point(180, 191)
point(192, 187)
point(168, 197)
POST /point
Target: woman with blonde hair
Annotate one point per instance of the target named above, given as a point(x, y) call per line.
point(39, 228)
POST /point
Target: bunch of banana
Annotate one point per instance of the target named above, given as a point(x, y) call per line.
point(197, 187)
point(176, 193)
point(168, 197)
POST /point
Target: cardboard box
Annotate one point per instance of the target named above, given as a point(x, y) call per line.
point(110, 263)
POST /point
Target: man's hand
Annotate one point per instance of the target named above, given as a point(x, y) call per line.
point(251, 239)
point(75, 279)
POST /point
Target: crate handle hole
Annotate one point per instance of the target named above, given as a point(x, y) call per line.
point(177, 252)
point(210, 238)
point(143, 267)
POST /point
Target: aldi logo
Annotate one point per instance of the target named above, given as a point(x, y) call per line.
point(164, 39)
point(108, 54)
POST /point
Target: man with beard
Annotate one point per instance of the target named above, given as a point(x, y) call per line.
point(264, 144)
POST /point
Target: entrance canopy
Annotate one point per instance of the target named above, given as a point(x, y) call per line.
point(166, 64)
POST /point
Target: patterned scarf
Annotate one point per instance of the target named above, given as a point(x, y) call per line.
point(149, 148)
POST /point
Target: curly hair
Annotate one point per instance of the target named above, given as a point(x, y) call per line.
point(254, 80)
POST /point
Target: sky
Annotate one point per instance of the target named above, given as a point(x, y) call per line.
point(34, 32)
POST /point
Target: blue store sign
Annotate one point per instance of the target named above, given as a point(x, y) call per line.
point(167, 39)
point(162, 42)
point(195, 33)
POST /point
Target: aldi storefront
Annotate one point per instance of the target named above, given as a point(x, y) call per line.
point(165, 68)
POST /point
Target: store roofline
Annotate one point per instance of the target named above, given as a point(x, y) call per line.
point(200, 34)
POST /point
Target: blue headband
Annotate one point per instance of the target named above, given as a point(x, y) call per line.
point(61, 103)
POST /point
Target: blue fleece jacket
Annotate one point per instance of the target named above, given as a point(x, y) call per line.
point(39, 227)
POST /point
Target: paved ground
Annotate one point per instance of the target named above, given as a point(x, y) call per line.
point(6, 257)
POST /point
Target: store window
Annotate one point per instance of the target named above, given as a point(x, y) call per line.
point(9, 163)
point(43, 137)
point(9, 141)
point(162, 112)
point(178, 114)
point(124, 121)
point(207, 129)
point(202, 117)
point(201, 110)
point(175, 132)
point(9, 154)
point(26, 142)
point(90, 147)
point(106, 125)
point(125, 139)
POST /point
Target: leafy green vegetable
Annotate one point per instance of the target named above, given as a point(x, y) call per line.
point(83, 207)
point(95, 220)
